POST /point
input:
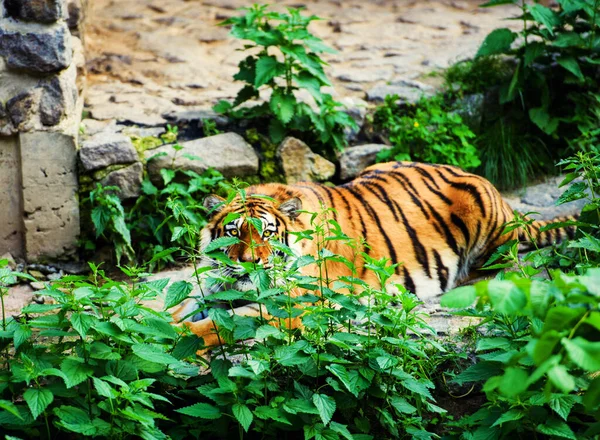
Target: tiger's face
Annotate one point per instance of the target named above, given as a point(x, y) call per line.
point(256, 223)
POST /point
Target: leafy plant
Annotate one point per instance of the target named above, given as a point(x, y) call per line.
point(557, 48)
point(477, 75)
point(285, 60)
point(425, 132)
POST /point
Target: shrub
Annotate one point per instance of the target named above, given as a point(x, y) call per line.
point(284, 60)
point(425, 132)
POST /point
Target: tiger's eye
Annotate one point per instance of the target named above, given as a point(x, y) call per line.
point(234, 232)
point(267, 234)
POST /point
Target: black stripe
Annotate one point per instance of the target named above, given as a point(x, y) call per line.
point(433, 190)
point(314, 191)
point(461, 225)
point(420, 251)
point(450, 240)
point(426, 174)
point(413, 197)
point(382, 196)
point(373, 214)
point(442, 271)
point(408, 281)
point(471, 189)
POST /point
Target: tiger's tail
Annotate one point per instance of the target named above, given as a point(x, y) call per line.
point(542, 236)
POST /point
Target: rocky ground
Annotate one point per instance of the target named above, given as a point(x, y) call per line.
point(151, 61)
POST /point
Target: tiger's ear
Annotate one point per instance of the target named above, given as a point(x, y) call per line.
point(213, 204)
point(291, 207)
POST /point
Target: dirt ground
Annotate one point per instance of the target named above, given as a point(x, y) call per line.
point(150, 59)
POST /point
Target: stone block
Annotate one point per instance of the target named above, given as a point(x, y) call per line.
point(36, 49)
point(105, 149)
point(228, 153)
point(299, 163)
point(355, 159)
point(49, 176)
point(11, 214)
point(22, 107)
point(41, 11)
point(129, 179)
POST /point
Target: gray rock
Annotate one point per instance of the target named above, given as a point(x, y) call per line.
point(42, 51)
point(187, 116)
point(41, 11)
point(407, 90)
point(228, 153)
point(106, 149)
point(129, 179)
point(300, 164)
point(20, 108)
point(354, 159)
point(6, 127)
point(470, 109)
point(52, 103)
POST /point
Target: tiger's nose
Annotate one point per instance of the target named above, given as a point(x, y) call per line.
point(249, 257)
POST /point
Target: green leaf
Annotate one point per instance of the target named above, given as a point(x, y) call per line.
point(177, 292)
point(574, 192)
point(100, 219)
point(459, 298)
point(243, 415)
point(267, 68)
point(326, 406)
point(583, 353)
point(540, 117)
point(571, 64)
point(168, 175)
point(556, 427)
point(506, 297)
point(103, 388)
point(265, 331)
point(509, 416)
point(560, 377)
point(283, 106)
point(545, 16)
point(21, 335)
point(591, 398)
point(498, 41)
point(401, 405)
point(38, 400)
point(276, 131)
point(153, 353)
point(221, 242)
point(201, 410)
point(533, 50)
point(10, 407)
point(562, 404)
point(568, 39)
point(99, 350)
point(82, 322)
point(75, 370)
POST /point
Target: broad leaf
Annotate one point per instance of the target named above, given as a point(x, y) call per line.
point(498, 41)
point(326, 406)
point(38, 400)
point(201, 410)
point(243, 415)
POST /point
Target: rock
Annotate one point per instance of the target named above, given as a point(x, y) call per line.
point(470, 109)
point(354, 159)
point(140, 132)
point(41, 11)
point(38, 285)
point(187, 116)
point(40, 51)
point(74, 14)
point(11, 261)
point(299, 163)
point(21, 108)
point(55, 276)
point(37, 275)
point(129, 179)
point(106, 149)
point(228, 153)
point(407, 90)
point(365, 75)
point(52, 103)
point(93, 127)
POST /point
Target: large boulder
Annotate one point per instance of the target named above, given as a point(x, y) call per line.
point(228, 153)
point(300, 163)
point(354, 159)
point(105, 149)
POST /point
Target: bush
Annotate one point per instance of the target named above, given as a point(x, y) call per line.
point(284, 60)
point(426, 132)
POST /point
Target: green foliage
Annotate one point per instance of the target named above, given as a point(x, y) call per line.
point(477, 75)
point(510, 154)
point(538, 358)
point(167, 214)
point(284, 59)
point(556, 62)
point(426, 132)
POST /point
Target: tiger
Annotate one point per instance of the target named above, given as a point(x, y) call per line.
point(437, 223)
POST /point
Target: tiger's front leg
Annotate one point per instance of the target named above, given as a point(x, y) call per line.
point(208, 330)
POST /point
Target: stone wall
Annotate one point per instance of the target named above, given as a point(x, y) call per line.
point(41, 83)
